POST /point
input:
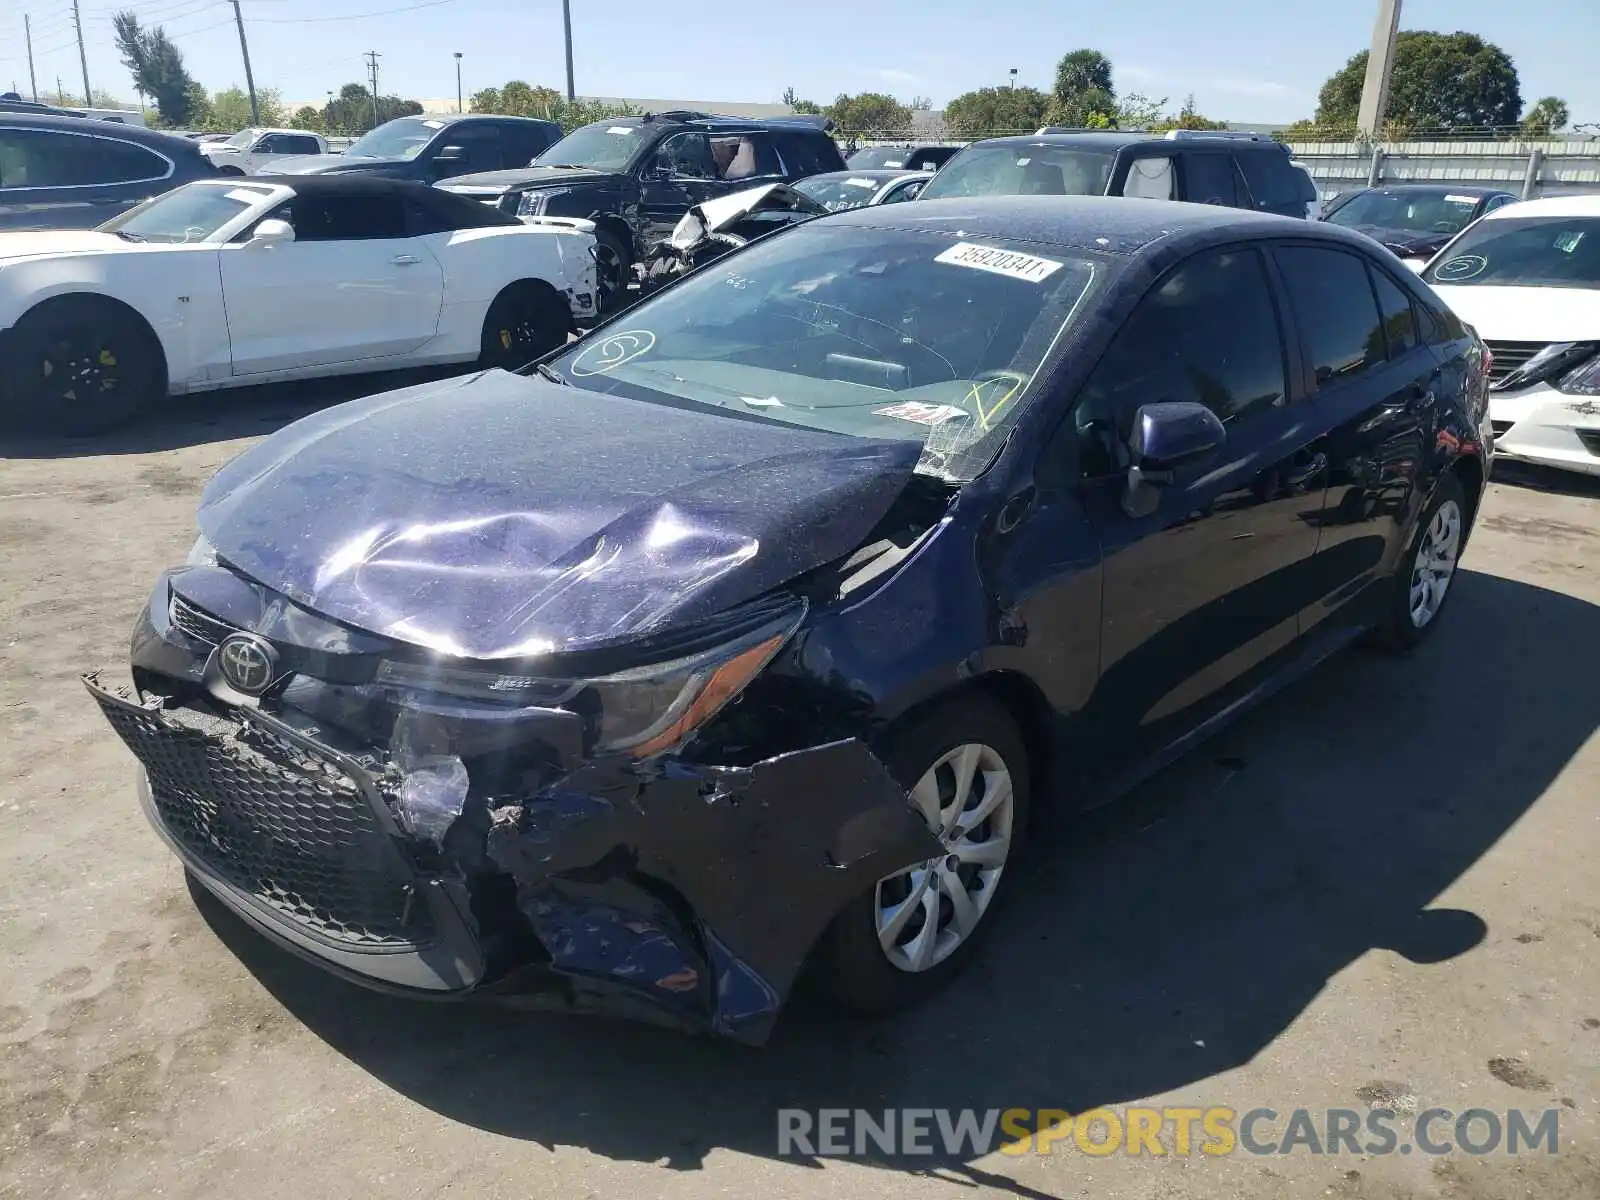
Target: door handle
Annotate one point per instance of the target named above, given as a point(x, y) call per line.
point(405, 260)
point(1309, 470)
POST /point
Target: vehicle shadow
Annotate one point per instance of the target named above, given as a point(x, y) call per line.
point(1151, 945)
point(219, 416)
point(1540, 478)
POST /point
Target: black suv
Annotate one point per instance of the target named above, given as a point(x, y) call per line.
point(428, 149)
point(636, 176)
point(73, 173)
point(1236, 170)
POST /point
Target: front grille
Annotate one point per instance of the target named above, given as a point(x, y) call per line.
point(291, 829)
point(1508, 356)
point(196, 622)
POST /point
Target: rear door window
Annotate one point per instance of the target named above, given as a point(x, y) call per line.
point(1151, 178)
point(1399, 315)
point(1335, 310)
point(1273, 182)
point(1208, 178)
point(37, 158)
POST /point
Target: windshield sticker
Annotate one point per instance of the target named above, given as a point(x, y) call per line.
point(246, 196)
point(1462, 199)
point(762, 402)
point(1462, 266)
point(922, 414)
point(1568, 242)
point(1001, 262)
point(611, 352)
point(866, 183)
point(620, 130)
point(433, 124)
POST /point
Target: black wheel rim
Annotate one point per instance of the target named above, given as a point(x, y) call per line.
point(608, 272)
point(80, 372)
point(517, 336)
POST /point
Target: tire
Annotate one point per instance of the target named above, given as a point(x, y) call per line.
point(1440, 534)
point(525, 321)
point(78, 365)
point(613, 263)
point(853, 966)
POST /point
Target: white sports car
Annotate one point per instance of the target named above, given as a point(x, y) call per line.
point(1526, 277)
point(225, 283)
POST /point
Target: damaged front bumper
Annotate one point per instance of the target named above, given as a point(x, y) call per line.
point(661, 890)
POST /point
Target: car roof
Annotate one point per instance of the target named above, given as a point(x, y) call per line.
point(683, 119)
point(1551, 206)
point(462, 212)
point(155, 138)
point(1097, 224)
point(1445, 185)
point(1112, 140)
point(876, 174)
point(453, 118)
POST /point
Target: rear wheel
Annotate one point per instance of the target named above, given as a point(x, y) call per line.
point(78, 366)
point(965, 769)
point(525, 321)
point(1423, 578)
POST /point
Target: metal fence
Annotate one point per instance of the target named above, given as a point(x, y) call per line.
point(1529, 168)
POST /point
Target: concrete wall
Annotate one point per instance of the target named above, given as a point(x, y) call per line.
point(1558, 167)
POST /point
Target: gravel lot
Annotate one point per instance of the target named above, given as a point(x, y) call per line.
point(1383, 883)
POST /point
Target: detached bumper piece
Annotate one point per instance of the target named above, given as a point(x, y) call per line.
point(296, 839)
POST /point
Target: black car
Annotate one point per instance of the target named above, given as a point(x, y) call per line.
point(908, 158)
point(428, 149)
point(747, 631)
point(1415, 220)
point(1235, 170)
point(636, 177)
point(68, 172)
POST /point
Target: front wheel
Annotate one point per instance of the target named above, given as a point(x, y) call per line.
point(965, 770)
point(613, 266)
point(1423, 578)
point(526, 321)
point(77, 366)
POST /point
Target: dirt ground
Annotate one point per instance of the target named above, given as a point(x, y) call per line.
point(1381, 887)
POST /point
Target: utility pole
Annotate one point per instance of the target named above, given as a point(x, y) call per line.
point(1380, 62)
point(458, 81)
point(372, 65)
point(83, 59)
point(27, 33)
point(566, 24)
point(249, 79)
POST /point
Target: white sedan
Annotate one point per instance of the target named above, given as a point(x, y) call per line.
point(226, 283)
point(1527, 278)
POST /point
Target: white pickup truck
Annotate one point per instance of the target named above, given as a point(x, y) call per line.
point(248, 150)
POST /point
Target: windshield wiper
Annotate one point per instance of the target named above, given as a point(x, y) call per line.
point(550, 373)
point(130, 237)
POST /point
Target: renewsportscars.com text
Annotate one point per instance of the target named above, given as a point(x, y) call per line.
point(843, 1132)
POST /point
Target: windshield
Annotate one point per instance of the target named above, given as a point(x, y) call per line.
point(1013, 170)
point(838, 192)
point(241, 140)
point(403, 137)
point(879, 157)
point(1415, 212)
point(188, 214)
point(1523, 252)
point(603, 146)
point(874, 333)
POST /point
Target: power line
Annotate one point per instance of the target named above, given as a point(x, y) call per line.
point(351, 17)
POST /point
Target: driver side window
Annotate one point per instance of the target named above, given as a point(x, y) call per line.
point(685, 156)
point(1207, 332)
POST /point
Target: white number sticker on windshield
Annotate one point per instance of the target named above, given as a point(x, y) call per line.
point(1000, 262)
point(922, 414)
point(1462, 266)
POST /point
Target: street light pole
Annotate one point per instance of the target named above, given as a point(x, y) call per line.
point(458, 81)
point(566, 24)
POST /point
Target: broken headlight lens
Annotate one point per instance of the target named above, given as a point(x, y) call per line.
point(534, 203)
point(642, 711)
point(1585, 379)
point(201, 554)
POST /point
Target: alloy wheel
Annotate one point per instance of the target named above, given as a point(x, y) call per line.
point(924, 914)
point(1435, 564)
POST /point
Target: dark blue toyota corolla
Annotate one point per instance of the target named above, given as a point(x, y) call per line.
point(747, 632)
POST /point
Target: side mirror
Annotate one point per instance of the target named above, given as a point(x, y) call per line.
point(654, 174)
point(272, 232)
point(451, 154)
point(1168, 436)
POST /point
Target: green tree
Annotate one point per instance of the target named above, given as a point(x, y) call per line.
point(1440, 81)
point(1187, 117)
point(1083, 71)
point(307, 118)
point(870, 112)
point(100, 98)
point(1547, 116)
point(230, 109)
point(350, 112)
point(1091, 109)
point(485, 101)
point(1138, 111)
point(805, 108)
point(996, 110)
point(520, 99)
point(157, 68)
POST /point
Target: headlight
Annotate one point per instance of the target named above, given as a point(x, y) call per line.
point(643, 711)
point(534, 203)
point(201, 554)
point(1585, 379)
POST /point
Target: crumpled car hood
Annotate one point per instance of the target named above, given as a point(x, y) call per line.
point(500, 516)
point(1408, 241)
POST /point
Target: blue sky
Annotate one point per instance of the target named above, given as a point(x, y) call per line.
point(1262, 61)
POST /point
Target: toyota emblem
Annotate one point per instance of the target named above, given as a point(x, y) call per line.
point(247, 662)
